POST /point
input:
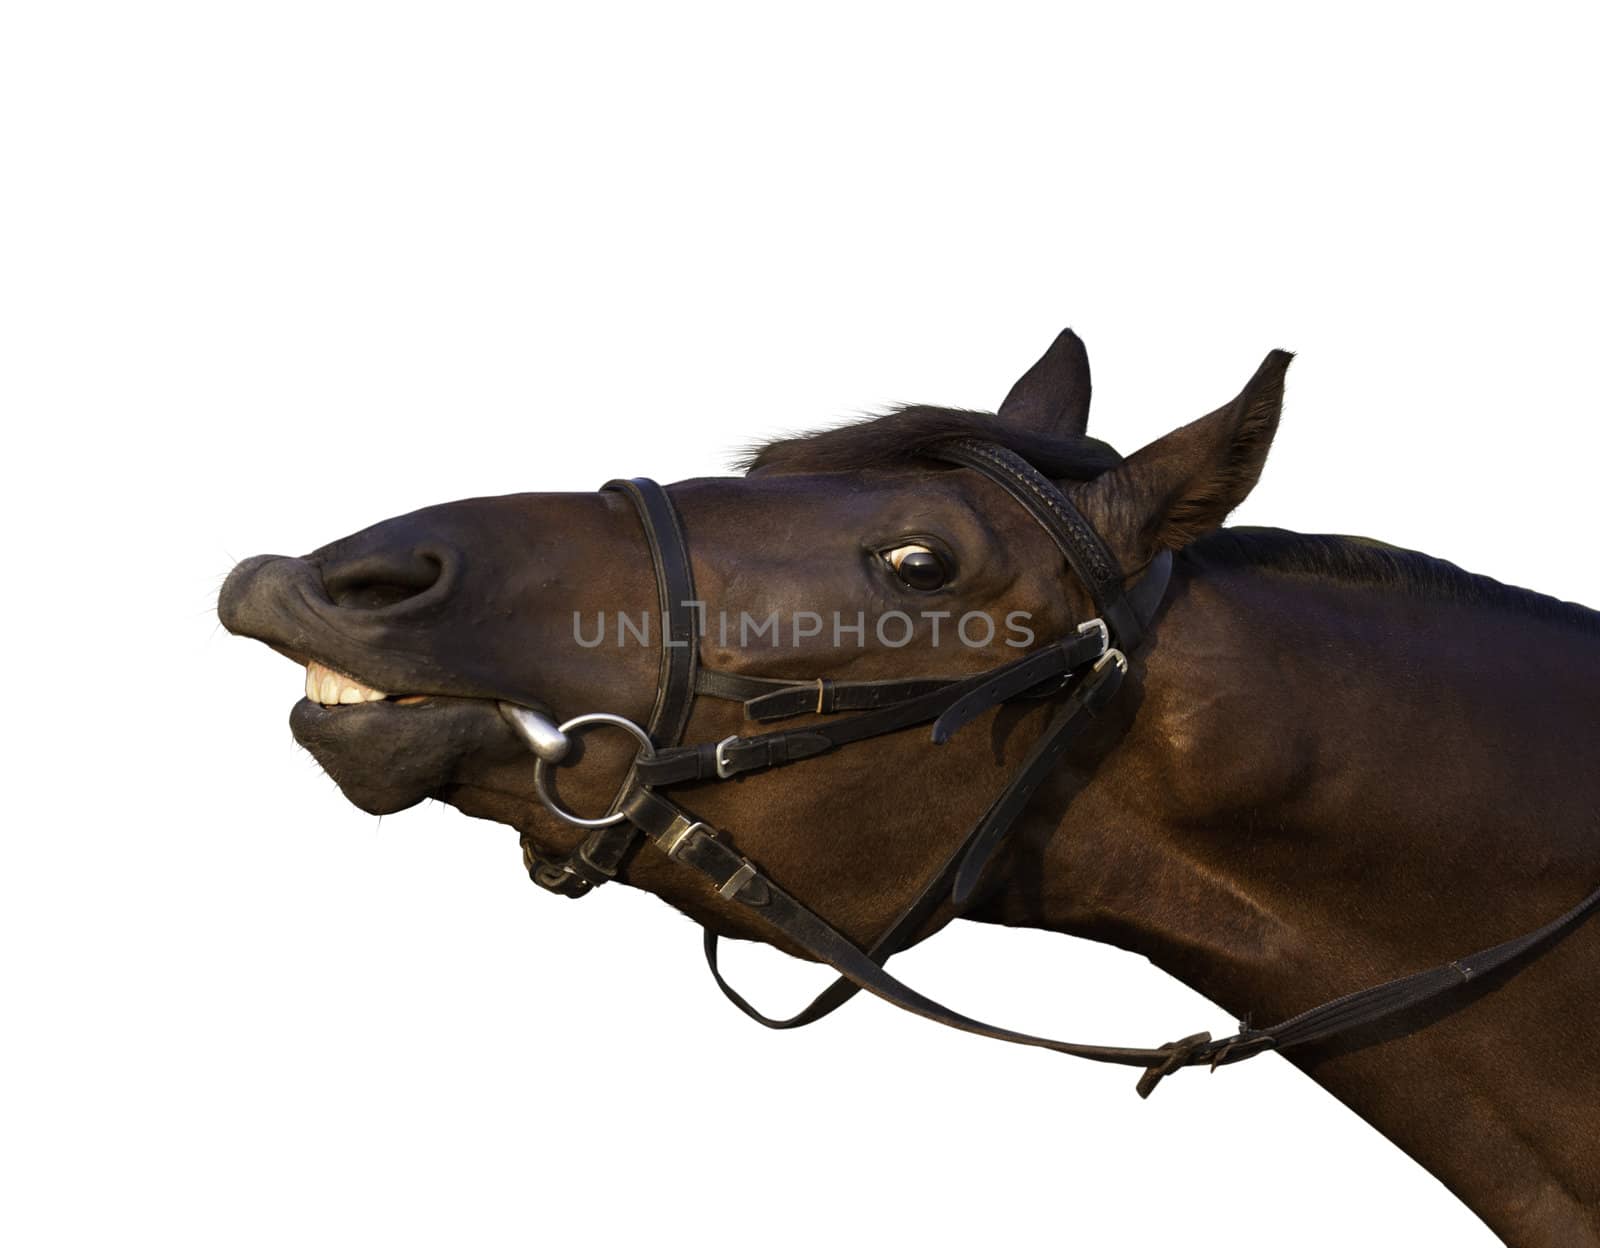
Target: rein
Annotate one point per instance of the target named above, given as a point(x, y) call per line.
point(1084, 670)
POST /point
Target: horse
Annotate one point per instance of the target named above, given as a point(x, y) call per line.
point(1285, 768)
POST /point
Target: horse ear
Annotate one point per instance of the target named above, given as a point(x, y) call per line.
point(1052, 397)
point(1183, 486)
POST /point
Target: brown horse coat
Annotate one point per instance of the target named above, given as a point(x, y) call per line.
point(1336, 762)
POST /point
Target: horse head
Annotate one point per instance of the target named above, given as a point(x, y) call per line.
point(947, 663)
point(848, 557)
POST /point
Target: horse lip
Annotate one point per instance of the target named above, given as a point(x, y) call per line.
point(385, 760)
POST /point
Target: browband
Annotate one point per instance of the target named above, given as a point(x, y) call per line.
point(1085, 552)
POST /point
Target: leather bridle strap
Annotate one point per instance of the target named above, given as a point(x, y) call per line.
point(894, 705)
point(737, 755)
point(736, 878)
point(1370, 1004)
point(1017, 679)
point(1089, 697)
point(680, 642)
point(965, 865)
point(1042, 670)
point(1085, 552)
point(766, 698)
point(599, 857)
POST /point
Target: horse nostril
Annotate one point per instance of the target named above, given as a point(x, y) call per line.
point(371, 582)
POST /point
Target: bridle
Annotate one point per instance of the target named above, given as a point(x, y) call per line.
point(1082, 671)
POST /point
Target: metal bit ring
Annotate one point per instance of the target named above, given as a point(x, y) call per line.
point(541, 768)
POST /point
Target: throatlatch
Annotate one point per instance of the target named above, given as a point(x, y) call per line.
point(1083, 670)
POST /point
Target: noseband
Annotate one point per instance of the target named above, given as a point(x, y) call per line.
point(1082, 670)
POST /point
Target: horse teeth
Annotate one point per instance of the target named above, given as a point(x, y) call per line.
point(331, 688)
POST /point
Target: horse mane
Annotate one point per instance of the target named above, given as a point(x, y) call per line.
point(1365, 561)
point(902, 434)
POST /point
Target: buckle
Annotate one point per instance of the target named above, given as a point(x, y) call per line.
point(742, 876)
point(1097, 625)
point(558, 878)
point(592, 872)
point(1113, 656)
point(677, 838)
point(725, 769)
point(673, 840)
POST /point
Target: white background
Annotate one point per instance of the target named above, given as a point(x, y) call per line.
point(274, 272)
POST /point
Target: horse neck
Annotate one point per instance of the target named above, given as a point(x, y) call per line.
point(1326, 785)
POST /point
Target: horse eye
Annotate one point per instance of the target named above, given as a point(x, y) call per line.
point(917, 566)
